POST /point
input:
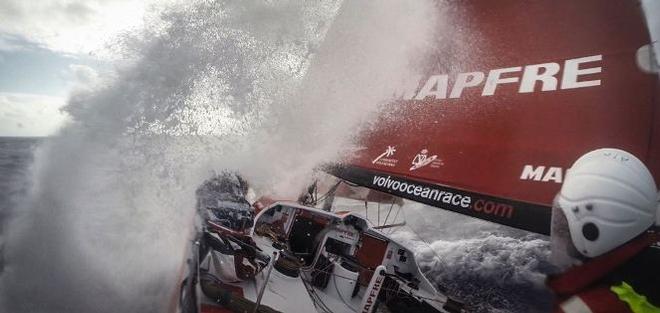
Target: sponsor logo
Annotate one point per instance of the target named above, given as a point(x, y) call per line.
point(423, 159)
point(424, 192)
point(570, 74)
point(444, 198)
point(493, 208)
point(373, 294)
point(542, 173)
point(557, 174)
point(385, 158)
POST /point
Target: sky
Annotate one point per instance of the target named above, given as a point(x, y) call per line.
point(48, 47)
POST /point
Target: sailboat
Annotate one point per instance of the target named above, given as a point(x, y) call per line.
point(301, 256)
point(488, 132)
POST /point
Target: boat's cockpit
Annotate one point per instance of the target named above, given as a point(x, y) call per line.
point(295, 257)
point(306, 233)
point(341, 257)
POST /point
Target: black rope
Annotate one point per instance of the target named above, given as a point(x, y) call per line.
point(388, 212)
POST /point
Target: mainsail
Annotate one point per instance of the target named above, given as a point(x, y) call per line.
point(508, 101)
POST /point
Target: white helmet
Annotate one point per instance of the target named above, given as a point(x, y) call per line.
point(608, 198)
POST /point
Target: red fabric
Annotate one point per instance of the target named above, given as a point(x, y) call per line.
point(580, 277)
point(582, 281)
point(370, 255)
point(602, 300)
point(485, 142)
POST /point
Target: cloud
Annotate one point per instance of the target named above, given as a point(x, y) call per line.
point(83, 74)
point(30, 115)
point(71, 26)
point(16, 43)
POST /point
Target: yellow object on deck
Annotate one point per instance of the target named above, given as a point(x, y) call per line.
point(638, 303)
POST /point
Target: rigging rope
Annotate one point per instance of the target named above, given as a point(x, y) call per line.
point(388, 212)
point(399, 209)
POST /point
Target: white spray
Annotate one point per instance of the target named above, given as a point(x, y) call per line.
point(253, 86)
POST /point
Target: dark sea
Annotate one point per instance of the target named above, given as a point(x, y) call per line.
point(16, 155)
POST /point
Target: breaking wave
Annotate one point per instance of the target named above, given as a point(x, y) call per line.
point(492, 268)
point(493, 273)
point(261, 87)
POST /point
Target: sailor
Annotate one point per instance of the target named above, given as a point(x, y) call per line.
point(603, 239)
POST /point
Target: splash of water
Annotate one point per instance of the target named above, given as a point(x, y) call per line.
point(255, 86)
point(492, 268)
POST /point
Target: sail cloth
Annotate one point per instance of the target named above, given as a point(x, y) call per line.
point(514, 92)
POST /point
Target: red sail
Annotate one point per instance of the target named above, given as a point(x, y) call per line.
point(490, 131)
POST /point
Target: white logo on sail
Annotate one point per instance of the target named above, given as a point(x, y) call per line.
point(423, 159)
point(385, 158)
point(542, 173)
point(528, 78)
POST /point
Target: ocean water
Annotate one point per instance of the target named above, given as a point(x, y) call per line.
point(493, 268)
point(16, 155)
